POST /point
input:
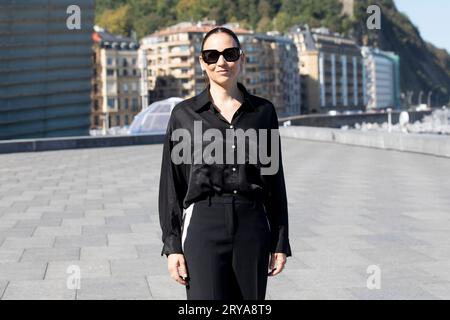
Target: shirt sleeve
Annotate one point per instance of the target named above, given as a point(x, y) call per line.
point(170, 197)
point(276, 204)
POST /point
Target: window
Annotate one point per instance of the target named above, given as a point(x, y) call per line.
point(117, 120)
point(111, 103)
point(134, 87)
point(134, 104)
point(96, 105)
point(110, 72)
point(124, 62)
point(133, 62)
point(127, 122)
point(125, 72)
point(125, 87)
point(109, 61)
point(96, 121)
point(126, 104)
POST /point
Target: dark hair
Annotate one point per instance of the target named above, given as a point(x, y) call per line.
point(221, 29)
point(217, 30)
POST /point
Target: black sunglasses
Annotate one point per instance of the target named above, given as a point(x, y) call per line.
point(229, 54)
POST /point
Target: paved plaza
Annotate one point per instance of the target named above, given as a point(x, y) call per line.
point(351, 208)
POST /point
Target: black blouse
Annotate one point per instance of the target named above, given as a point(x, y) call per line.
point(183, 183)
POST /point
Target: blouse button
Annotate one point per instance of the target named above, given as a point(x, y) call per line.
point(233, 146)
point(234, 191)
point(234, 169)
point(231, 127)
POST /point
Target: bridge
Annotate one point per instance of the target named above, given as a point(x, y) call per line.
point(352, 210)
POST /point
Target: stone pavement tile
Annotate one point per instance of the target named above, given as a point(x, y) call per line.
point(50, 254)
point(84, 221)
point(58, 231)
point(8, 223)
point(17, 232)
point(326, 276)
point(406, 292)
point(22, 215)
point(3, 285)
point(401, 275)
point(126, 220)
point(63, 215)
point(14, 208)
point(44, 209)
point(144, 227)
point(438, 268)
point(162, 287)
point(300, 245)
point(88, 269)
point(151, 251)
point(109, 253)
point(121, 205)
point(38, 290)
point(132, 239)
point(392, 239)
point(89, 205)
point(431, 225)
point(335, 242)
point(434, 237)
point(280, 287)
point(439, 290)
point(428, 215)
point(440, 252)
point(301, 232)
point(393, 255)
point(129, 288)
point(80, 241)
point(138, 267)
point(22, 270)
point(104, 213)
point(52, 222)
point(10, 255)
point(103, 230)
point(325, 293)
point(332, 258)
point(340, 230)
point(28, 242)
point(296, 262)
point(377, 226)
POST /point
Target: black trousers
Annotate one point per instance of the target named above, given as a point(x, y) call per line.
point(226, 245)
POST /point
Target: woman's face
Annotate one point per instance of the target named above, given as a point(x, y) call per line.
point(221, 41)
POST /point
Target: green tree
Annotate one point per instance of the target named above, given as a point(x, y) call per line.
point(117, 21)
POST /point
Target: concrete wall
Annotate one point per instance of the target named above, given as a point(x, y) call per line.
point(327, 121)
point(421, 143)
point(46, 144)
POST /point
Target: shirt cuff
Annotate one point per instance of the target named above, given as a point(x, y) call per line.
point(280, 244)
point(172, 244)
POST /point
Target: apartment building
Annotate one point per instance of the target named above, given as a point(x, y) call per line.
point(382, 78)
point(332, 68)
point(174, 70)
point(119, 85)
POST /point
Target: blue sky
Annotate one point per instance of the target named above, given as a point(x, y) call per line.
point(431, 17)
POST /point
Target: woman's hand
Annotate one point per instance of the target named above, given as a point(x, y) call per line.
point(277, 262)
point(177, 268)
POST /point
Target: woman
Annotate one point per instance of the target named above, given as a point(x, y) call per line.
point(224, 224)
